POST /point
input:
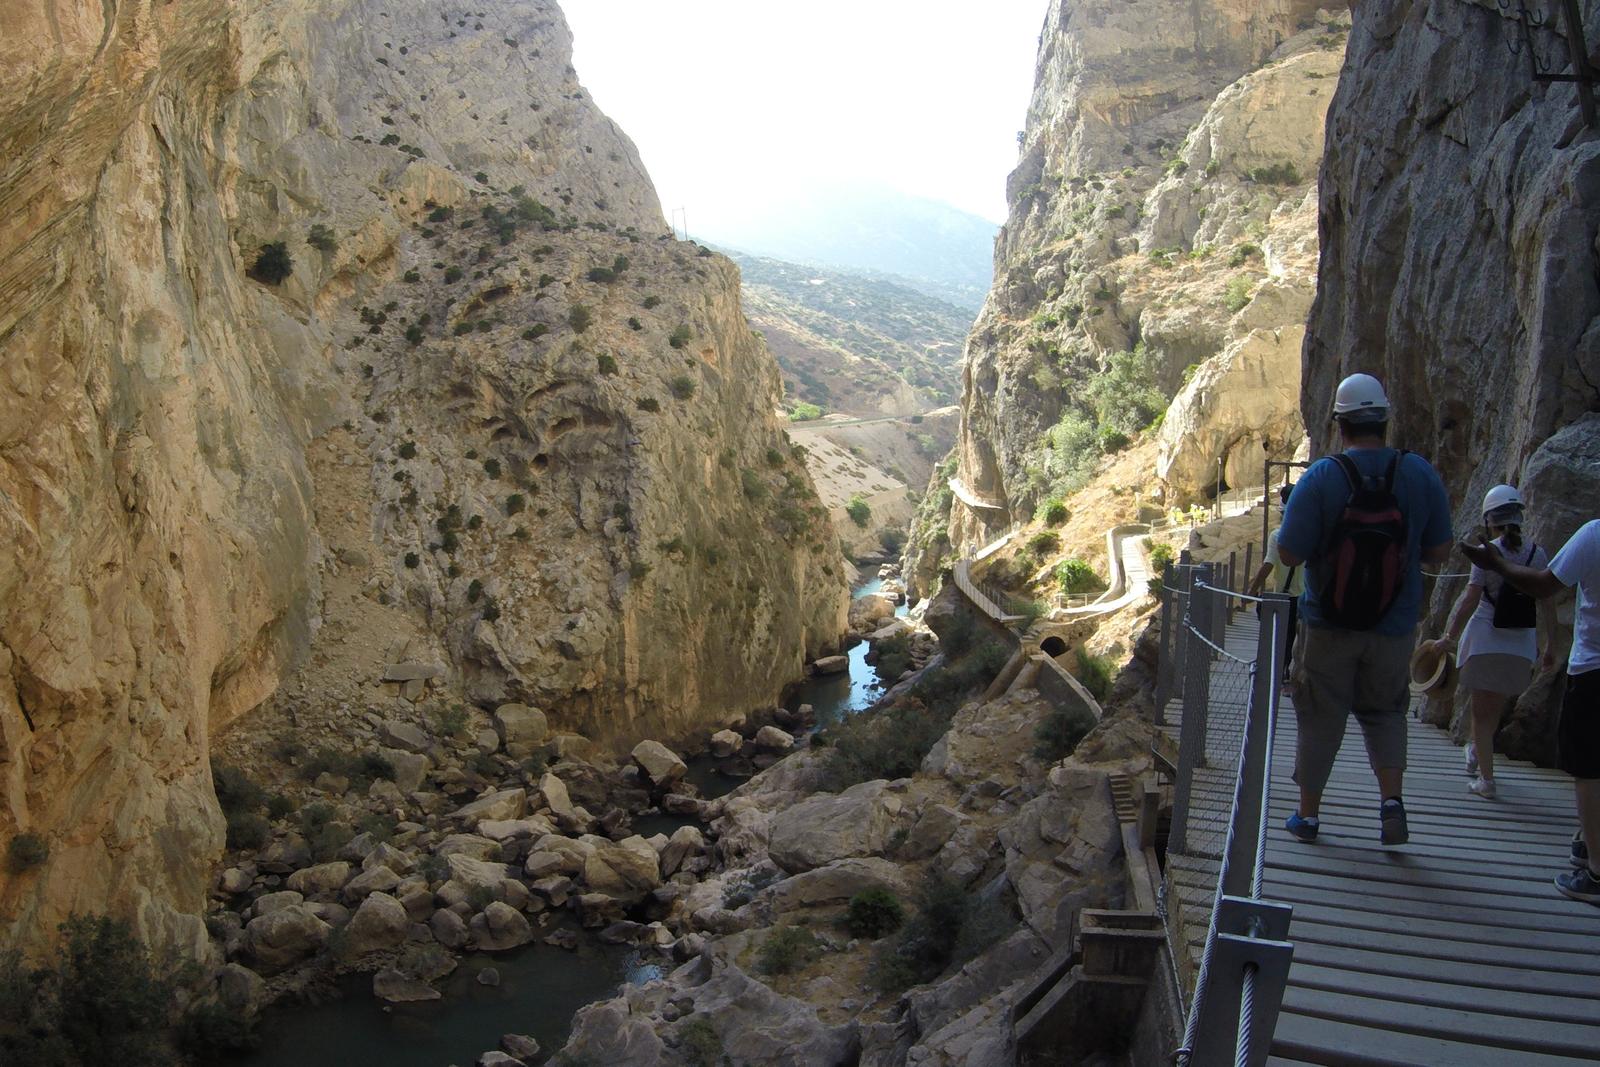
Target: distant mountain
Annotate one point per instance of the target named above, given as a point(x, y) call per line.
point(855, 343)
point(931, 246)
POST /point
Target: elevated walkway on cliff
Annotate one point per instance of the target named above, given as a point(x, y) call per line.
point(1451, 949)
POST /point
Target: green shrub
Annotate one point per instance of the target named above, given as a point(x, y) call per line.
point(699, 1043)
point(859, 510)
point(452, 275)
point(579, 318)
point(491, 467)
point(1043, 542)
point(754, 488)
point(273, 263)
point(928, 943)
point(534, 332)
point(452, 722)
point(1112, 440)
point(474, 591)
point(873, 913)
point(680, 337)
point(279, 806)
point(1058, 734)
point(647, 403)
point(236, 792)
point(682, 387)
point(210, 1029)
point(371, 766)
point(408, 450)
point(1076, 576)
point(1095, 674)
point(1125, 395)
point(601, 274)
point(606, 364)
point(634, 323)
point(1161, 555)
point(1028, 610)
point(786, 950)
point(414, 334)
point(1276, 174)
point(1238, 293)
point(774, 457)
point(412, 561)
point(25, 852)
point(97, 1000)
point(1054, 512)
point(804, 412)
point(515, 503)
point(893, 655)
point(890, 742)
point(247, 830)
point(744, 887)
point(650, 302)
point(491, 611)
point(327, 842)
point(1243, 253)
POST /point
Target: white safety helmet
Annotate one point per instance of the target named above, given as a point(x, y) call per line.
point(1502, 505)
point(1360, 398)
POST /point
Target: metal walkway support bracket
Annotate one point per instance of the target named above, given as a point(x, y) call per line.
point(1251, 950)
point(1529, 18)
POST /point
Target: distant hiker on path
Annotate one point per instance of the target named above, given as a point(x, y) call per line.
point(1285, 579)
point(1578, 730)
point(1362, 523)
point(1498, 644)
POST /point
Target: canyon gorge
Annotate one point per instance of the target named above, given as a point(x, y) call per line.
point(372, 456)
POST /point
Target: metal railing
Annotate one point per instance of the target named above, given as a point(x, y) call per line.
point(1229, 707)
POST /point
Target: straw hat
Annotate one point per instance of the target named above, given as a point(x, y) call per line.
point(1430, 666)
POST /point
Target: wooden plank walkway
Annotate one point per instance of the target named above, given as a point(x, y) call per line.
point(1451, 949)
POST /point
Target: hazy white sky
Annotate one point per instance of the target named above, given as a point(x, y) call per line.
point(731, 100)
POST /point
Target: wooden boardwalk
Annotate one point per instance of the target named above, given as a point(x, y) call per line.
point(1453, 949)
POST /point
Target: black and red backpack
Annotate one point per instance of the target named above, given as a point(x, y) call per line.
point(1364, 559)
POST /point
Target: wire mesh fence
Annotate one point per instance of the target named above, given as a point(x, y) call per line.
point(1227, 713)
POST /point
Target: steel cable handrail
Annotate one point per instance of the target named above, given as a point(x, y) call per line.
point(1245, 1038)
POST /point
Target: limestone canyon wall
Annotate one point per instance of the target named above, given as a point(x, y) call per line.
point(1459, 219)
point(1163, 205)
point(164, 567)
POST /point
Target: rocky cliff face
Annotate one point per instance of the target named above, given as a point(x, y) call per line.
point(1460, 207)
point(159, 486)
point(1161, 217)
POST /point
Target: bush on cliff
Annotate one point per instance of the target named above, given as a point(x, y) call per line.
point(25, 852)
point(1058, 734)
point(273, 264)
point(873, 913)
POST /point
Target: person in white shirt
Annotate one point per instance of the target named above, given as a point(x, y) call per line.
point(1578, 731)
point(1495, 630)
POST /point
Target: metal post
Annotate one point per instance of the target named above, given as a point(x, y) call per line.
point(1168, 645)
point(1196, 697)
point(1580, 60)
point(1233, 582)
point(1239, 868)
point(1249, 564)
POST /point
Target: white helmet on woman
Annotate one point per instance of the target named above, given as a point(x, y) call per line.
point(1501, 504)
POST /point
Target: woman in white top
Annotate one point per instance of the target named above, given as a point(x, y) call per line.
point(1494, 630)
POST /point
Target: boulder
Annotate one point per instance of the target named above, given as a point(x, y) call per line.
point(323, 878)
point(284, 938)
point(475, 873)
point(284, 854)
point(267, 903)
point(379, 923)
point(499, 927)
point(868, 612)
point(725, 743)
point(405, 736)
point(504, 830)
point(448, 928)
point(659, 763)
point(772, 739)
point(488, 977)
point(540, 864)
point(685, 841)
point(839, 881)
point(521, 1046)
point(410, 768)
point(627, 870)
point(240, 989)
point(499, 805)
point(831, 665)
point(375, 880)
point(235, 880)
point(386, 855)
point(553, 792)
point(935, 826)
point(474, 845)
point(821, 829)
point(521, 729)
point(609, 1033)
point(555, 889)
point(396, 987)
point(499, 1059)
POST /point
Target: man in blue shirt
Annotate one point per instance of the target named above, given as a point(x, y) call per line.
point(1365, 671)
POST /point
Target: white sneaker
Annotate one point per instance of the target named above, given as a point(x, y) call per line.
point(1472, 758)
point(1482, 786)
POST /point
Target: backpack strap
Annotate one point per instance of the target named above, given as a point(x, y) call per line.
point(1394, 468)
point(1352, 473)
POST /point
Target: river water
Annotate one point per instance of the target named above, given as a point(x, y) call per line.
point(541, 987)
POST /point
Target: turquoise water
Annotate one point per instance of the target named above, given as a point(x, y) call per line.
point(540, 989)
